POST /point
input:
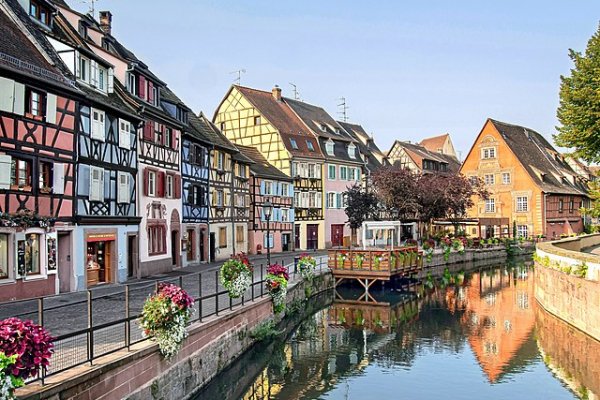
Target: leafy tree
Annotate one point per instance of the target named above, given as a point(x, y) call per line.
point(460, 196)
point(397, 189)
point(361, 205)
point(579, 109)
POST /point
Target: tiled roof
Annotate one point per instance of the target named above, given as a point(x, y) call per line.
point(542, 162)
point(434, 143)
point(366, 145)
point(419, 153)
point(261, 167)
point(210, 132)
point(319, 121)
point(283, 118)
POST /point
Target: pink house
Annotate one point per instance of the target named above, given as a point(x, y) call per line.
point(269, 183)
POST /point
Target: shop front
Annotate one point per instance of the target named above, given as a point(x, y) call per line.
point(100, 248)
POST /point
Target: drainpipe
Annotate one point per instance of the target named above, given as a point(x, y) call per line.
point(544, 232)
point(231, 205)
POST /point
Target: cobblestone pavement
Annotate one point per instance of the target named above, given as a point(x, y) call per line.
point(66, 315)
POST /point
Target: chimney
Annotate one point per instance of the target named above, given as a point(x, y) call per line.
point(106, 21)
point(276, 93)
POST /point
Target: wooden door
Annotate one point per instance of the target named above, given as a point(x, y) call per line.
point(312, 237)
point(337, 235)
point(297, 237)
point(108, 247)
point(65, 265)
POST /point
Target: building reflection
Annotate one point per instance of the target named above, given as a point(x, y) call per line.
point(570, 354)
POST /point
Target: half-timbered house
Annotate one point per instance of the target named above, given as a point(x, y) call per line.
point(37, 160)
point(343, 167)
point(268, 183)
point(265, 121)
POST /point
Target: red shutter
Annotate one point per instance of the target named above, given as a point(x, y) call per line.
point(150, 92)
point(146, 180)
point(177, 184)
point(142, 87)
point(160, 191)
point(174, 139)
point(148, 127)
point(163, 130)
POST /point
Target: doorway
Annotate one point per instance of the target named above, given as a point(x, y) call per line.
point(175, 248)
point(132, 256)
point(65, 265)
point(312, 237)
point(99, 262)
point(191, 245)
point(297, 237)
point(202, 246)
point(337, 235)
point(212, 246)
point(285, 242)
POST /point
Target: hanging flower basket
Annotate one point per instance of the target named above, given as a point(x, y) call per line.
point(236, 275)
point(165, 316)
point(307, 266)
point(277, 282)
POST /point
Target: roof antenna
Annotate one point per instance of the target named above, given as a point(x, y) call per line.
point(91, 4)
point(239, 73)
point(296, 94)
point(343, 109)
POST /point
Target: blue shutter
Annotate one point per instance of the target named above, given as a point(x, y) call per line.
point(291, 215)
point(290, 190)
point(271, 240)
point(262, 215)
point(265, 245)
point(338, 200)
point(262, 187)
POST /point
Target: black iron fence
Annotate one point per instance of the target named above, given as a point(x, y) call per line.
point(88, 325)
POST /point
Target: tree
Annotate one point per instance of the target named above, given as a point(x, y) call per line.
point(432, 198)
point(579, 109)
point(361, 205)
point(460, 195)
point(397, 189)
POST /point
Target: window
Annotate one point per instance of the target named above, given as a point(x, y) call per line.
point(490, 206)
point(239, 234)
point(154, 94)
point(488, 153)
point(522, 204)
point(329, 147)
point(84, 69)
point(131, 83)
point(351, 174)
point(196, 195)
point(331, 200)
point(312, 200)
point(98, 127)
point(242, 171)
point(102, 78)
point(331, 174)
point(522, 231)
point(506, 178)
point(268, 188)
point(96, 192)
point(20, 175)
point(310, 146)
point(158, 133)
point(489, 179)
point(268, 241)
point(46, 177)
point(240, 200)
point(571, 205)
point(343, 173)
point(222, 126)
point(35, 103)
point(151, 183)
point(311, 171)
point(168, 137)
point(124, 134)
point(123, 189)
point(39, 12)
point(220, 161)
point(285, 215)
point(257, 120)
point(220, 198)
point(352, 150)
point(169, 189)
point(3, 256)
point(29, 264)
point(157, 239)
point(285, 190)
point(344, 201)
point(222, 237)
point(561, 205)
point(294, 144)
point(323, 127)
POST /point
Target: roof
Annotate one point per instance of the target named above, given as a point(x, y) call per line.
point(419, 153)
point(540, 159)
point(261, 167)
point(319, 121)
point(283, 118)
point(366, 145)
point(435, 143)
point(209, 132)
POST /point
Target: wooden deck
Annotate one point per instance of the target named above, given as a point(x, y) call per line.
point(369, 266)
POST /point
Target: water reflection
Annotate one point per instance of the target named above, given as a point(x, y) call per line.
point(474, 338)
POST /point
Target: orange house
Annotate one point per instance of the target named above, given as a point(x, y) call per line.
point(530, 184)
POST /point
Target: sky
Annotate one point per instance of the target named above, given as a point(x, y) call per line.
point(407, 69)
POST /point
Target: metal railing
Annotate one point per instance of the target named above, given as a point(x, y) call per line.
point(87, 326)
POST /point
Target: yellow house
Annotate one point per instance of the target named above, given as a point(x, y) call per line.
point(530, 184)
point(265, 121)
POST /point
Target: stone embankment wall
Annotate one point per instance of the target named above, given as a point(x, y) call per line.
point(143, 373)
point(571, 298)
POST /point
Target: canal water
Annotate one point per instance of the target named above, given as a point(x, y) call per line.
point(479, 335)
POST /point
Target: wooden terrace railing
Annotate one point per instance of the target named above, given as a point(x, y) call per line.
point(378, 264)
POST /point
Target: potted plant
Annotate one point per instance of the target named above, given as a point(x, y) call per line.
point(165, 316)
point(236, 275)
point(277, 282)
point(428, 247)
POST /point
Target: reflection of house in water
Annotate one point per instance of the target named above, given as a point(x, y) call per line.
point(499, 314)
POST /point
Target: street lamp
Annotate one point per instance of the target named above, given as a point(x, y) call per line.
point(267, 210)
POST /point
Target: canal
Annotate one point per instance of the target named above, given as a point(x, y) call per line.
point(479, 335)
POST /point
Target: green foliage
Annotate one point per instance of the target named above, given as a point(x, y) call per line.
point(581, 270)
point(579, 109)
point(8, 382)
point(265, 331)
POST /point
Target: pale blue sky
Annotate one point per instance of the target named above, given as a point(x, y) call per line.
point(407, 69)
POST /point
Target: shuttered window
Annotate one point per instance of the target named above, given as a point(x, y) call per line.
point(5, 171)
point(239, 234)
point(58, 178)
point(96, 184)
point(222, 237)
point(98, 126)
point(124, 191)
point(124, 134)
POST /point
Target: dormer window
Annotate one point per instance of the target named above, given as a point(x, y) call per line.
point(329, 147)
point(294, 144)
point(39, 12)
point(84, 69)
point(324, 127)
point(82, 30)
point(131, 82)
point(352, 150)
point(338, 131)
point(310, 146)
